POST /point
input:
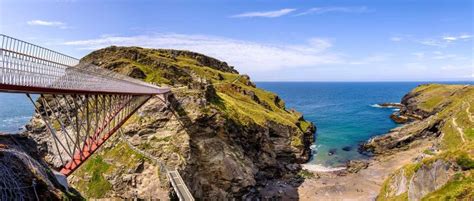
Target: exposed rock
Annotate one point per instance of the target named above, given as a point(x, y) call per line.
point(332, 152)
point(428, 179)
point(392, 105)
point(347, 148)
point(137, 73)
point(431, 112)
point(355, 166)
point(24, 175)
point(401, 138)
point(399, 119)
point(399, 184)
point(228, 140)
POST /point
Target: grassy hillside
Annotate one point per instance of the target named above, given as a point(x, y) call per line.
point(451, 109)
point(218, 126)
point(237, 95)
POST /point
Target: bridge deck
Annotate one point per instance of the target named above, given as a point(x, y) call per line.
point(179, 186)
point(81, 105)
point(27, 68)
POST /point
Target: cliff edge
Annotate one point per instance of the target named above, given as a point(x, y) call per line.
point(228, 138)
point(440, 118)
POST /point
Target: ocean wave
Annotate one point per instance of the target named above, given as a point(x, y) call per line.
point(396, 109)
point(379, 106)
point(376, 106)
point(314, 147)
point(16, 119)
point(321, 168)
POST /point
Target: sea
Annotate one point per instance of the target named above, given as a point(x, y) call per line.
point(15, 111)
point(346, 114)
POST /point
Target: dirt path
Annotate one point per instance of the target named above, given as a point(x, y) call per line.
point(461, 133)
point(364, 185)
point(469, 113)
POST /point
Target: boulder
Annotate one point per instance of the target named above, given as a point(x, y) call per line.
point(355, 166)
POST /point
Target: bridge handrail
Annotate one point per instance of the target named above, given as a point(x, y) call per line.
point(25, 66)
point(26, 48)
point(183, 193)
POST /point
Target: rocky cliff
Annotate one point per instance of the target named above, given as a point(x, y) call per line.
point(24, 175)
point(440, 116)
point(228, 138)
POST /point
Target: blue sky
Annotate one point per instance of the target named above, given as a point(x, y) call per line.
point(404, 40)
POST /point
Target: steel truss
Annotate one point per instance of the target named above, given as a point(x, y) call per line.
point(82, 105)
point(80, 124)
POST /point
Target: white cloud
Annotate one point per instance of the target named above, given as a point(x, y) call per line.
point(322, 10)
point(444, 41)
point(437, 55)
point(61, 25)
point(396, 39)
point(432, 42)
point(245, 55)
point(449, 38)
point(267, 14)
point(455, 38)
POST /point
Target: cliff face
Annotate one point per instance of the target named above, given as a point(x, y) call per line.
point(24, 175)
point(441, 116)
point(227, 138)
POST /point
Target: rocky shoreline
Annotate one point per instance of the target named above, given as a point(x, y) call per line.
point(406, 154)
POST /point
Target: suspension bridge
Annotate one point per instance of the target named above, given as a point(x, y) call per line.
point(82, 105)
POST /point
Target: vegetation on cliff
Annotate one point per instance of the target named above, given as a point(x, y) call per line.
point(445, 170)
point(227, 137)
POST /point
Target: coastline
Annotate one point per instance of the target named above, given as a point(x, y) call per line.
point(362, 182)
point(362, 185)
point(429, 156)
point(319, 168)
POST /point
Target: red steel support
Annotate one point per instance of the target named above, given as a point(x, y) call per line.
point(94, 142)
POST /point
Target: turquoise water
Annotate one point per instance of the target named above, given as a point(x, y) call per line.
point(15, 111)
point(344, 113)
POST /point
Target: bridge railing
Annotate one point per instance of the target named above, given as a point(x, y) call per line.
point(28, 67)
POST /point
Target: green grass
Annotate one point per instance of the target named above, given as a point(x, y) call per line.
point(385, 192)
point(451, 137)
point(97, 186)
point(306, 174)
point(461, 187)
point(465, 162)
point(428, 152)
point(431, 103)
point(304, 125)
point(410, 169)
point(121, 158)
point(451, 101)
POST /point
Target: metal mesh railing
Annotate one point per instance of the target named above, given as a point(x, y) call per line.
point(26, 67)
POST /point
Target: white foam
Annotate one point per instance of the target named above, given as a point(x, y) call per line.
point(396, 109)
point(379, 106)
point(321, 168)
point(16, 119)
point(376, 106)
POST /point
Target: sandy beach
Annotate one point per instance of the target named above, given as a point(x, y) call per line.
point(330, 184)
